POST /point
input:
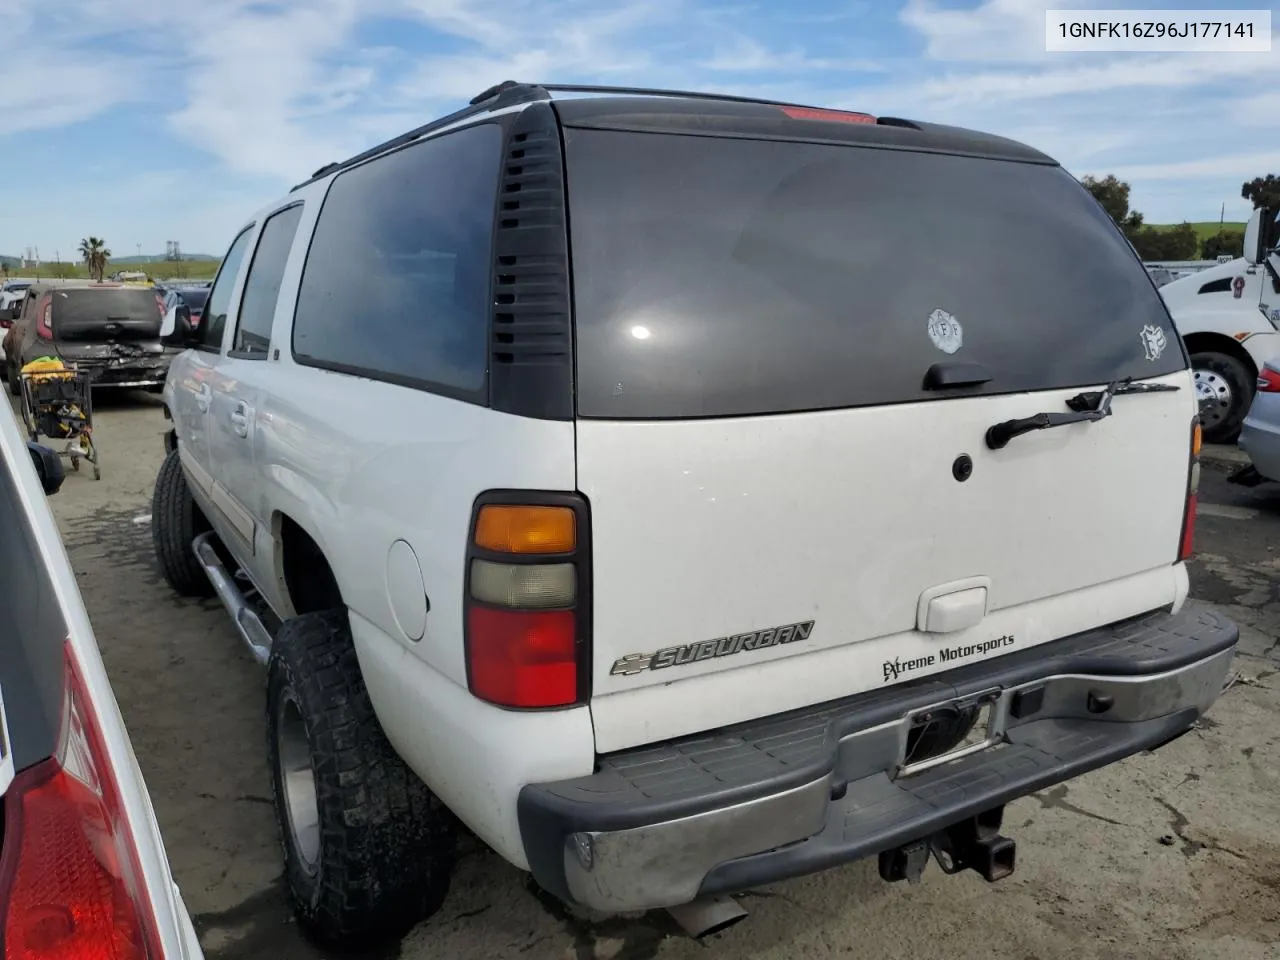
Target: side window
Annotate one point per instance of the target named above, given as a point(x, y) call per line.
point(262, 285)
point(215, 314)
point(397, 280)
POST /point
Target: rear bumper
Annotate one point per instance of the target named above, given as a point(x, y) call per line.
point(801, 792)
point(143, 373)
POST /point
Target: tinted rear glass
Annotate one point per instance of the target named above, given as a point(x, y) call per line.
point(83, 306)
point(719, 277)
point(194, 298)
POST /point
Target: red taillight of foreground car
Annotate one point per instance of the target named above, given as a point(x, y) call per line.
point(1268, 381)
point(527, 610)
point(71, 883)
point(1186, 541)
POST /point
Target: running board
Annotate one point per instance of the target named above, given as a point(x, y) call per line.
point(248, 624)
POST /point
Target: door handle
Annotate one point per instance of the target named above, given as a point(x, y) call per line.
point(204, 395)
point(240, 419)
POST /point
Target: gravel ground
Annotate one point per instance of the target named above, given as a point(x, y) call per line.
point(1165, 856)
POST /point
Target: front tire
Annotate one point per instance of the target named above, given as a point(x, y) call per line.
point(1225, 391)
point(176, 521)
point(368, 849)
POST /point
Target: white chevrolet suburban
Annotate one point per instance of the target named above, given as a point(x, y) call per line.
point(597, 470)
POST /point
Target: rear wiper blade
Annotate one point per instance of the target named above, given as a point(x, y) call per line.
point(1092, 399)
point(1085, 408)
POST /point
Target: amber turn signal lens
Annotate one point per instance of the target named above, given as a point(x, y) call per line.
point(1196, 440)
point(506, 528)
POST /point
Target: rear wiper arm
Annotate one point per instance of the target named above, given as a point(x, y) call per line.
point(1085, 408)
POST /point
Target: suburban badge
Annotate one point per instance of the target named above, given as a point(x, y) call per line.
point(634, 663)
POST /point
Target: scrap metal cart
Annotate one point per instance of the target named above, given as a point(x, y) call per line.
point(57, 403)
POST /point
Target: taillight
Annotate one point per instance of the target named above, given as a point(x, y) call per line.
point(527, 600)
point(71, 883)
point(1185, 542)
point(160, 304)
point(1268, 381)
point(44, 320)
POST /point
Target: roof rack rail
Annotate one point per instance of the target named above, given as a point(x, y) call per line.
point(499, 95)
point(700, 95)
point(659, 92)
point(512, 91)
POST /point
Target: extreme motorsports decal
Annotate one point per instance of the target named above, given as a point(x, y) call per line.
point(896, 668)
point(634, 663)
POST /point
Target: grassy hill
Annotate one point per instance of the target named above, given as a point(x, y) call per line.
point(158, 268)
point(1205, 228)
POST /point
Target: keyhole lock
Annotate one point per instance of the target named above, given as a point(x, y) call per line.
point(962, 469)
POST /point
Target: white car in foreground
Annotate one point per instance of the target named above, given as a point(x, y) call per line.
point(83, 871)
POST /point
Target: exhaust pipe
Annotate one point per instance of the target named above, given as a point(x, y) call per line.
point(701, 918)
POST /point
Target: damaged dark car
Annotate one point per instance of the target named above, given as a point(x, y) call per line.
point(109, 330)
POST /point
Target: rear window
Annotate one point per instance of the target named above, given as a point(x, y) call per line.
point(720, 277)
point(118, 305)
point(194, 298)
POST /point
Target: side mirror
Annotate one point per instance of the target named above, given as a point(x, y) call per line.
point(1254, 239)
point(183, 333)
point(48, 467)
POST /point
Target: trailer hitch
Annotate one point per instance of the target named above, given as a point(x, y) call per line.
point(973, 844)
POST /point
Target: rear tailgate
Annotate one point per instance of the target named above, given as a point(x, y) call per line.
point(106, 313)
point(782, 486)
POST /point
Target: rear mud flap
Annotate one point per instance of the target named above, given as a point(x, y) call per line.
point(1247, 477)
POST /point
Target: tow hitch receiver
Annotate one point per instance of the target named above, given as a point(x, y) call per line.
point(973, 844)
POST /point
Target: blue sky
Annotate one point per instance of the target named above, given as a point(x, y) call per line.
point(149, 120)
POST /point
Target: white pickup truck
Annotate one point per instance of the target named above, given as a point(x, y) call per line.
point(1225, 317)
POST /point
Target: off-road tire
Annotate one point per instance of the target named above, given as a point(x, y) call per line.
point(1234, 372)
point(387, 844)
point(176, 521)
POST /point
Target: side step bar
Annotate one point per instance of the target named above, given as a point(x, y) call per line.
point(248, 624)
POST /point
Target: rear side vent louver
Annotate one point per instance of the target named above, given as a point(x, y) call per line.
point(531, 361)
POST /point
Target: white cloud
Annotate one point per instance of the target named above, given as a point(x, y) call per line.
point(273, 90)
point(1242, 166)
point(996, 30)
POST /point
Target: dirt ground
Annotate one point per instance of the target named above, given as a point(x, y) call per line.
point(1166, 856)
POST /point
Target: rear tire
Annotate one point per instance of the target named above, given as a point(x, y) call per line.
point(1225, 391)
point(368, 849)
point(176, 521)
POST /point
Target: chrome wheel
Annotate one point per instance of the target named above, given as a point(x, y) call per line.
point(1214, 393)
point(298, 778)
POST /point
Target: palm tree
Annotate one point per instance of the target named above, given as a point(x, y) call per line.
point(95, 254)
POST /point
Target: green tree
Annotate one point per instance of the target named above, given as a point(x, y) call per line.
point(1228, 242)
point(1113, 196)
point(95, 254)
point(1263, 191)
point(1175, 243)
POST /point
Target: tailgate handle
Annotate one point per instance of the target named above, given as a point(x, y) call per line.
point(940, 376)
point(954, 606)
